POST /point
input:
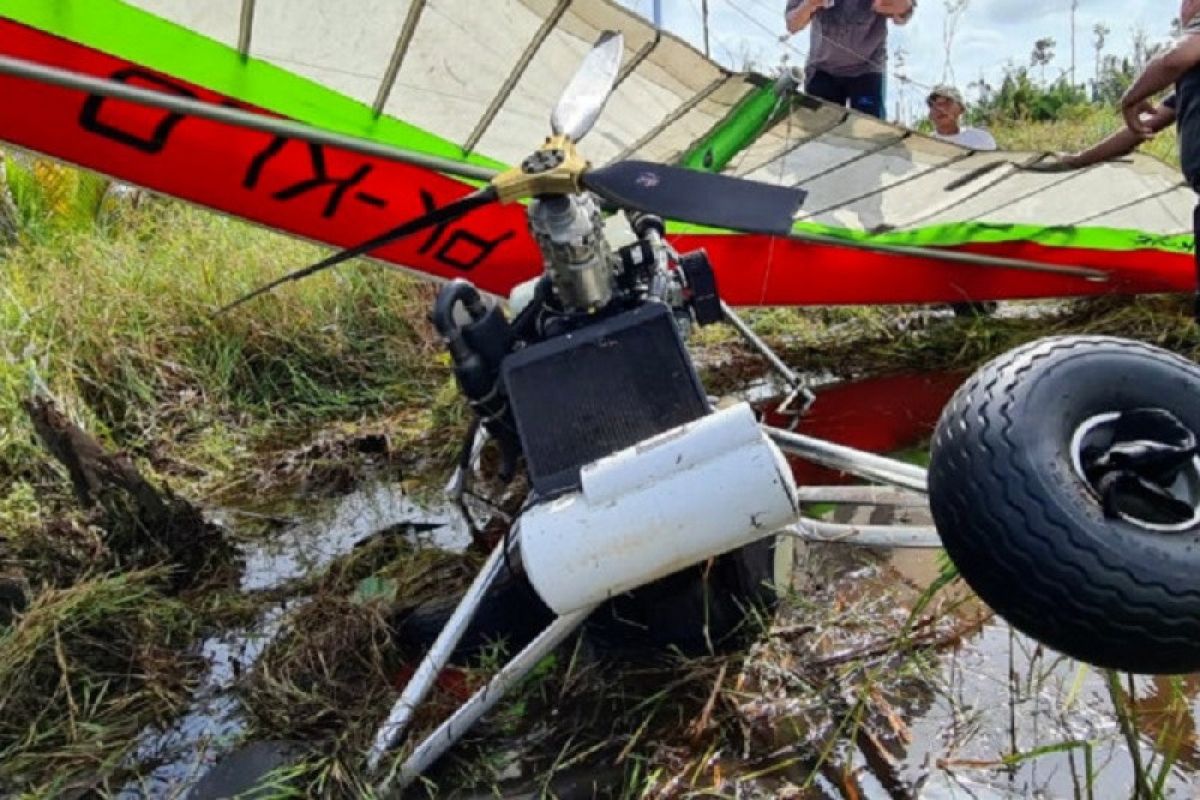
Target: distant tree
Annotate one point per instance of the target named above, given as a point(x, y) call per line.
point(955, 9)
point(1074, 8)
point(1143, 49)
point(1101, 32)
point(984, 91)
point(1043, 54)
point(1115, 76)
point(1020, 97)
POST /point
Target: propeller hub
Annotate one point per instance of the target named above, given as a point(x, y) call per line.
point(543, 161)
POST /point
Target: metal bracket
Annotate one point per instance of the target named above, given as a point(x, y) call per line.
point(801, 398)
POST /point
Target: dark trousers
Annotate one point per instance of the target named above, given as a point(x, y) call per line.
point(862, 92)
point(1196, 251)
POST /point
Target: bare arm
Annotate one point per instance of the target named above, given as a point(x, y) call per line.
point(899, 11)
point(1123, 142)
point(1161, 72)
point(799, 17)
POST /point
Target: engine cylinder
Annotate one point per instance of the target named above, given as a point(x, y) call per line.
point(569, 230)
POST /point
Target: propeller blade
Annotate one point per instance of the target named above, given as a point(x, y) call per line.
point(698, 197)
point(585, 96)
point(439, 216)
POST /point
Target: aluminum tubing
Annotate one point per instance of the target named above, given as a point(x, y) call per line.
point(667, 503)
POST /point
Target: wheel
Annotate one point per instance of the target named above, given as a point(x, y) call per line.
point(1065, 483)
point(694, 610)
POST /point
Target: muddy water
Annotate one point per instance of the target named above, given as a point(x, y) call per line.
point(998, 715)
point(173, 760)
point(993, 716)
point(1001, 717)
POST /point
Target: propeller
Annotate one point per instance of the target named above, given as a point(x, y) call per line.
point(700, 197)
point(558, 168)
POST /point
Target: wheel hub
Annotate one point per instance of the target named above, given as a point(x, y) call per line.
point(1143, 466)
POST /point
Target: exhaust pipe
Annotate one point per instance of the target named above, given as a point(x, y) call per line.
point(662, 505)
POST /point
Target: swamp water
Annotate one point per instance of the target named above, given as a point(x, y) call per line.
point(988, 715)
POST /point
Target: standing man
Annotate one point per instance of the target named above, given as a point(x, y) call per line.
point(946, 109)
point(1179, 65)
point(847, 56)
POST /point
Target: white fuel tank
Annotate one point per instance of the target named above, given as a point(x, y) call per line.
point(669, 502)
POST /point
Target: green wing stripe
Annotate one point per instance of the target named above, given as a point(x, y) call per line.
point(126, 32)
point(961, 233)
point(736, 132)
point(965, 233)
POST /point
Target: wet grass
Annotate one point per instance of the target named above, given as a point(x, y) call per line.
point(109, 307)
point(82, 670)
point(118, 322)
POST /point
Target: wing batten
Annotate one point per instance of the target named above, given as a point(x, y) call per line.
point(411, 20)
point(672, 118)
point(246, 31)
point(510, 82)
point(1134, 203)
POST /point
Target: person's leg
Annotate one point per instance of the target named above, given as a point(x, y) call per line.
point(866, 94)
point(1196, 252)
point(827, 87)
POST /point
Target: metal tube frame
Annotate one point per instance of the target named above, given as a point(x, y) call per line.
point(233, 116)
point(909, 537)
point(845, 459)
point(790, 377)
point(452, 729)
point(246, 28)
point(851, 461)
point(422, 681)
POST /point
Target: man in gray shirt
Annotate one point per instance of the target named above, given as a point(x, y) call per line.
point(848, 54)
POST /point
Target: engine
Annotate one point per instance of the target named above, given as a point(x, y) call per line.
point(594, 359)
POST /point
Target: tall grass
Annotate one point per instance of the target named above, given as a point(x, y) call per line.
point(119, 324)
point(1080, 129)
point(80, 673)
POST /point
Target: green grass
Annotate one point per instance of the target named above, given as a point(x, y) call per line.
point(119, 325)
point(81, 672)
point(110, 307)
point(1083, 128)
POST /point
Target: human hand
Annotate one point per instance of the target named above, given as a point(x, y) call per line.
point(1132, 112)
point(1056, 162)
point(892, 8)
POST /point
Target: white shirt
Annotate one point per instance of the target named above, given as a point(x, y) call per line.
point(971, 138)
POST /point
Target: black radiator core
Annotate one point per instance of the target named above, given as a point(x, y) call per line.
point(584, 395)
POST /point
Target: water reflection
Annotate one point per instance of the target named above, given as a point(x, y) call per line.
point(214, 722)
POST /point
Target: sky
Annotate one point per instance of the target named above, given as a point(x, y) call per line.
point(990, 34)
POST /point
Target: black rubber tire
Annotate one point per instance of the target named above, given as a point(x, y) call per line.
point(688, 611)
point(1028, 535)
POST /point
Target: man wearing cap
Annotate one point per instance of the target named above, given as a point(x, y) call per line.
point(848, 52)
point(946, 108)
